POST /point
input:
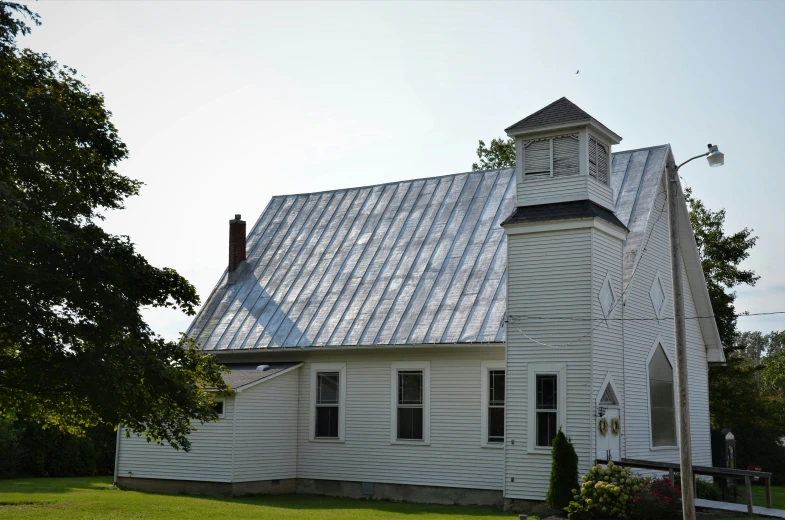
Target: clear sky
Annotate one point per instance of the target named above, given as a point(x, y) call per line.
point(223, 105)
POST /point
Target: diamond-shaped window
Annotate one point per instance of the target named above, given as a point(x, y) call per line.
point(607, 297)
point(657, 296)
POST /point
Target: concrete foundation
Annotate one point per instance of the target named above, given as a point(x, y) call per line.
point(528, 507)
point(196, 487)
point(401, 492)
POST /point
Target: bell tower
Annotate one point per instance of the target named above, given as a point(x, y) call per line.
point(563, 154)
point(564, 276)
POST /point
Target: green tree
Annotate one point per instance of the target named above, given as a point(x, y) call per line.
point(738, 396)
point(74, 349)
point(500, 154)
point(564, 473)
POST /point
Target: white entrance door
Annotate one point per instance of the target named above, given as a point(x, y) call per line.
point(609, 445)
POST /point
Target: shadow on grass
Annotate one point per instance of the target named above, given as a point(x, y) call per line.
point(317, 502)
point(53, 485)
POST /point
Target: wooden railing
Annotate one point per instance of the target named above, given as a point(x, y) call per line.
point(672, 468)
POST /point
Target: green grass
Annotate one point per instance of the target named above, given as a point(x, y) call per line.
point(759, 496)
point(91, 498)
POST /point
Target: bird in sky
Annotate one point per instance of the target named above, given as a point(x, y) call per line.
point(577, 71)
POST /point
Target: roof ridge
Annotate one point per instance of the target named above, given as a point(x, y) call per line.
point(391, 182)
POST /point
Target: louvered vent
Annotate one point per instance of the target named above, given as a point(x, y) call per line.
point(565, 155)
point(537, 158)
point(598, 161)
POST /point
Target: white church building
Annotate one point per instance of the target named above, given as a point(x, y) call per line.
point(424, 340)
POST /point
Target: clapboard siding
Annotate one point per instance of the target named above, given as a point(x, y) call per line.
point(549, 275)
point(454, 457)
point(600, 193)
point(607, 340)
point(640, 337)
point(210, 458)
point(540, 190)
point(265, 430)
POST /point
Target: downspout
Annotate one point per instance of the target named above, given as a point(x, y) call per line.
point(116, 456)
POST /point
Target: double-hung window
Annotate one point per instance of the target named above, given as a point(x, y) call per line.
point(328, 395)
point(493, 403)
point(547, 409)
point(410, 400)
point(547, 404)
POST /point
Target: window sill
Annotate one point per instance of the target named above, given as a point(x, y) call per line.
point(540, 451)
point(326, 440)
point(663, 448)
point(410, 443)
point(493, 445)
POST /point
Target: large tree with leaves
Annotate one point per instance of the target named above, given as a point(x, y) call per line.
point(74, 348)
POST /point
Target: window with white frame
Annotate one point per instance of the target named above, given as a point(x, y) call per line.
point(548, 404)
point(328, 398)
point(662, 408)
point(547, 409)
point(493, 403)
point(411, 402)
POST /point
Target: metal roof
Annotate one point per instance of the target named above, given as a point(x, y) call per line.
point(410, 262)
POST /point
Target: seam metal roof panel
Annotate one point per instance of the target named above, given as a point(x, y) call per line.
point(410, 262)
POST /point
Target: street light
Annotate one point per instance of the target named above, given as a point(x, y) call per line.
point(715, 158)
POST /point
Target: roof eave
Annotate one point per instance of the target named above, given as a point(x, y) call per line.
point(595, 125)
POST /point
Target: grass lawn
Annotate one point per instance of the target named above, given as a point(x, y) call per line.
point(91, 498)
point(759, 496)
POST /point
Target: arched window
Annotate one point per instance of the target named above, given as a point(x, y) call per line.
point(661, 405)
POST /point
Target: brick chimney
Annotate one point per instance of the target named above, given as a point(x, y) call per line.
point(236, 243)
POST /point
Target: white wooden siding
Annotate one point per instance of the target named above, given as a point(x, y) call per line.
point(265, 430)
point(549, 274)
point(210, 458)
point(639, 337)
point(547, 189)
point(454, 457)
point(607, 346)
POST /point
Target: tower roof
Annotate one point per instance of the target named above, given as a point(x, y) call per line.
point(560, 111)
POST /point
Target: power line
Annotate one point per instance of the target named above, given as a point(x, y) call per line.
point(572, 318)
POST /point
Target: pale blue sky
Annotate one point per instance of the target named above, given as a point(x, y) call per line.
point(223, 105)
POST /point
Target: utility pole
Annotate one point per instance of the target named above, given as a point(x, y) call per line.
point(685, 446)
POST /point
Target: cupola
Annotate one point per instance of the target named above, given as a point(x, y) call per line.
point(563, 154)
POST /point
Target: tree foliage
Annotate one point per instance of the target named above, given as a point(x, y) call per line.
point(741, 397)
point(74, 348)
point(500, 154)
point(564, 473)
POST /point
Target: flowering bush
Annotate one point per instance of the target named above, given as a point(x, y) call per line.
point(659, 498)
point(616, 492)
point(605, 491)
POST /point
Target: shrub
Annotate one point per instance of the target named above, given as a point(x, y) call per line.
point(564, 473)
point(605, 491)
point(657, 499)
point(707, 490)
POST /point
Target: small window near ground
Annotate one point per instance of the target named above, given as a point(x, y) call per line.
point(496, 406)
point(547, 413)
point(410, 405)
point(661, 400)
point(328, 386)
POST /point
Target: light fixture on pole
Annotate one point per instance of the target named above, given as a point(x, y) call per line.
point(675, 198)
